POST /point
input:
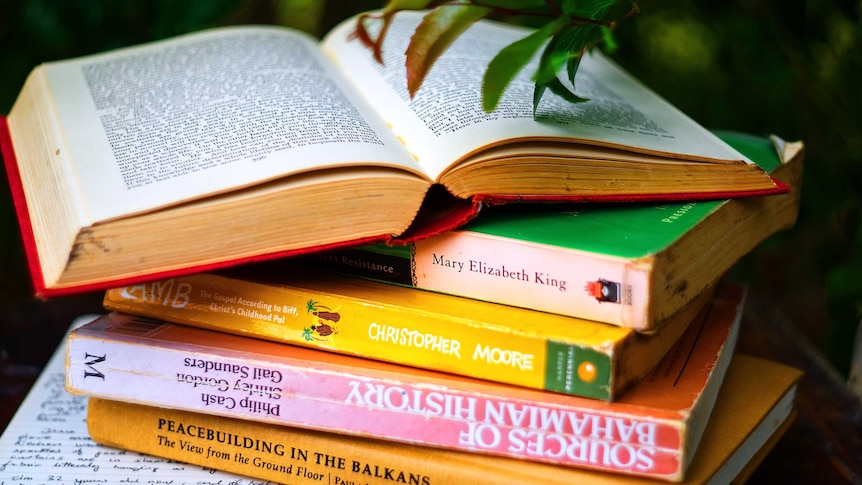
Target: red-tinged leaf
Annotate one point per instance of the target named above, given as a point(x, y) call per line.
point(511, 59)
point(362, 34)
point(438, 29)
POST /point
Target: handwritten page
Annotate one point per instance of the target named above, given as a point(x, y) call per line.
point(47, 443)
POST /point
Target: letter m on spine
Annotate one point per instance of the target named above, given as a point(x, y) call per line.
point(90, 362)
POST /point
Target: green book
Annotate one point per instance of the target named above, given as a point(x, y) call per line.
point(632, 265)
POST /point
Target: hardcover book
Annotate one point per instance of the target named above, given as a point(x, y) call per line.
point(280, 302)
point(631, 265)
point(246, 143)
point(752, 411)
point(653, 430)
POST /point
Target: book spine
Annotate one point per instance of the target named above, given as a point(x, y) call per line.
point(512, 272)
point(373, 405)
point(368, 328)
point(285, 454)
point(279, 454)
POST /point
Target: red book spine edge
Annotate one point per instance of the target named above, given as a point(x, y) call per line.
point(19, 201)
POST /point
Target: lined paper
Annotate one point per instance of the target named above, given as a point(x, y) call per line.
point(47, 443)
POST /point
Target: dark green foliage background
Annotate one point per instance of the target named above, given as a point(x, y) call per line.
point(761, 66)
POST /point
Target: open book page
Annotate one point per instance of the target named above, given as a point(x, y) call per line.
point(445, 120)
point(47, 441)
point(152, 125)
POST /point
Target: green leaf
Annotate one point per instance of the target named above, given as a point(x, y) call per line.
point(566, 48)
point(576, 26)
point(511, 59)
point(572, 68)
point(591, 9)
point(581, 39)
point(554, 57)
point(556, 86)
point(395, 5)
point(513, 5)
point(538, 92)
point(608, 38)
point(438, 29)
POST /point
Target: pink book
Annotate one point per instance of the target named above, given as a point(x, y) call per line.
point(653, 430)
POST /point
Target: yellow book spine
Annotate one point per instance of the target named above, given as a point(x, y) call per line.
point(422, 329)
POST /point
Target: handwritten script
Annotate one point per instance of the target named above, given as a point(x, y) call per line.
point(47, 443)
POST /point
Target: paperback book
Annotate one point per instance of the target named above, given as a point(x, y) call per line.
point(301, 145)
point(284, 303)
point(653, 430)
point(754, 408)
point(631, 265)
point(739, 434)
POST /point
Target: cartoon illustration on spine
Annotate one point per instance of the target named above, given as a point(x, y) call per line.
point(324, 322)
point(604, 290)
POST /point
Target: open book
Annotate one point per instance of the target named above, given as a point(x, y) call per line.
point(246, 143)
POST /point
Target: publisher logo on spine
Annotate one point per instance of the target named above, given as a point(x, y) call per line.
point(604, 290)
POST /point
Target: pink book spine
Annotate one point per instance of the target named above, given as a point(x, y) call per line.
point(377, 406)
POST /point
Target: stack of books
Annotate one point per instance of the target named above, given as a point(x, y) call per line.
point(311, 277)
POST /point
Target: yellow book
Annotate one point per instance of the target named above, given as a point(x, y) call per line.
point(496, 342)
point(753, 409)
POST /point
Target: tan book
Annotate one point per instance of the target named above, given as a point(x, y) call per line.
point(753, 409)
point(246, 143)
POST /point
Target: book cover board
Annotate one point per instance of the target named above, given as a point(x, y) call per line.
point(106, 146)
point(754, 407)
point(652, 430)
